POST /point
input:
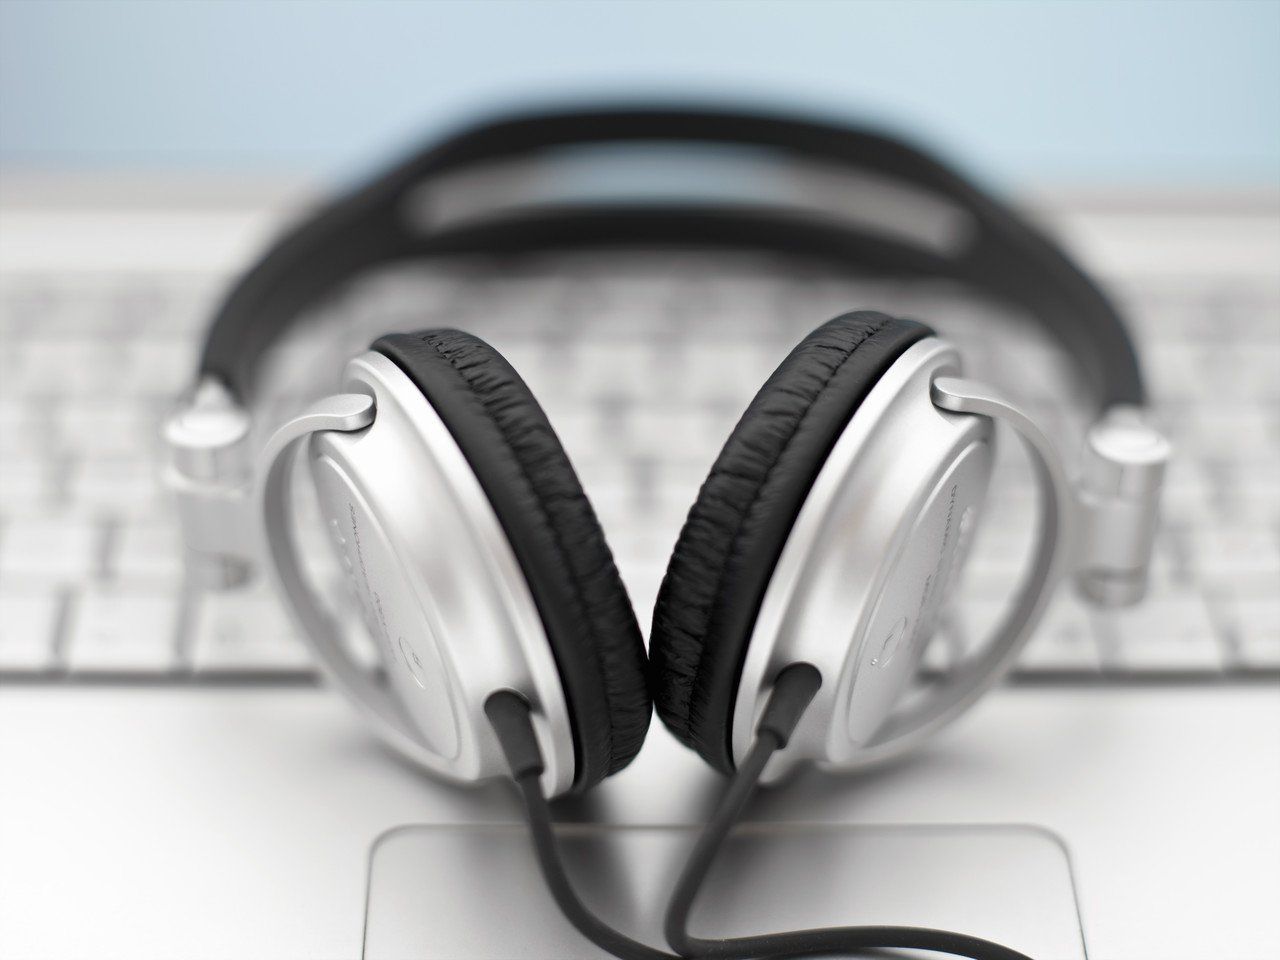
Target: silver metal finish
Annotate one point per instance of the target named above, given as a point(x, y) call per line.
point(867, 565)
point(440, 589)
point(1121, 478)
point(1049, 559)
point(208, 472)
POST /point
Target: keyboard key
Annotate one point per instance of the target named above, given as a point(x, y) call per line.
point(79, 309)
point(1177, 370)
point(148, 551)
point(625, 369)
point(25, 483)
point(107, 428)
point(673, 432)
point(78, 366)
point(1144, 655)
point(733, 370)
point(21, 430)
point(122, 630)
point(1064, 642)
point(1223, 431)
point(1188, 494)
point(1261, 654)
point(1166, 634)
point(1236, 557)
point(117, 486)
point(160, 367)
point(1252, 369)
point(49, 550)
point(1256, 624)
point(182, 307)
point(28, 625)
point(242, 633)
point(1251, 491)
point(25, 303)
point(518, 301)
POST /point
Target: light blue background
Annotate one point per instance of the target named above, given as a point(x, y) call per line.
point(1030, 92)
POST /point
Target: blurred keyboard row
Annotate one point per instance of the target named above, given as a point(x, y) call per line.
point(130, 631)
point(644, 366)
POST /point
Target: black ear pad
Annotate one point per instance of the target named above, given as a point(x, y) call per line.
point(736, 530)
point(523, 469)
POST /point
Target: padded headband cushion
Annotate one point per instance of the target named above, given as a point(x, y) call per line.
point(735, 532)
point(524, 471)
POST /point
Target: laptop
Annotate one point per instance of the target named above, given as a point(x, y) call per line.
point(176, 781)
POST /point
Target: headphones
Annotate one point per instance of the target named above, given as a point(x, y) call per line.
point(813, 564)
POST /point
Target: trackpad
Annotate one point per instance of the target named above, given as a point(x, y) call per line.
point(475, 893)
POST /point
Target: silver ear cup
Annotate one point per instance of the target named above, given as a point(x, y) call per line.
point(867, 565)
point(438, 585)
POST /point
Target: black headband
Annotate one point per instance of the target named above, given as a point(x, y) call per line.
point(425, 207)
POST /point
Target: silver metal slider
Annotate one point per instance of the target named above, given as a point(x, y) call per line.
point(209, 472)
point(1118, 492)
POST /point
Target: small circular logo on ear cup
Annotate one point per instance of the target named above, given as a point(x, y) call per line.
point(889, 645)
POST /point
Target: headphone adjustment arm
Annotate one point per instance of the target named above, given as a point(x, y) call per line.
point(1118, 499)
point(208, 471)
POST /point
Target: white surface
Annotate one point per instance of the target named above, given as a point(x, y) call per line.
point(237, 823)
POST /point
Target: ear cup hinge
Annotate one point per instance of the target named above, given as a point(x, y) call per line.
point(1057, 509)
point(871, 557)
point(344, 413)
point(412, 600)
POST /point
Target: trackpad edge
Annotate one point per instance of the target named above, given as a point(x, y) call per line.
point(474, 892)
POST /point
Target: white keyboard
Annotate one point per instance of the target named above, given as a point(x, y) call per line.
point(644, 362)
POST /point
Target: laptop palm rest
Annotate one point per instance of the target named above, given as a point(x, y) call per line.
point(475, 893)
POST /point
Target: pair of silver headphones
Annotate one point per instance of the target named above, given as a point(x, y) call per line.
point(826, 533)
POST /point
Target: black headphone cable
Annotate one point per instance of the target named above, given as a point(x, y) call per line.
point(509, 713)
point(793, 690)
